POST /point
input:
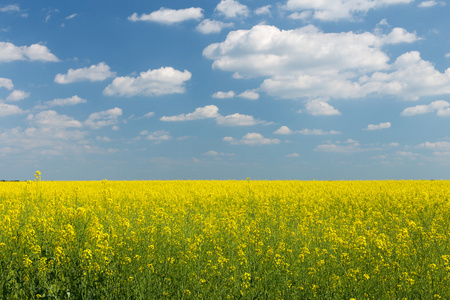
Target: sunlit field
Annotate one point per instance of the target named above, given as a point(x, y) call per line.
point(225, 240)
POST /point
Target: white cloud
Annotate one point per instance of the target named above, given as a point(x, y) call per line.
point(97, 72)
point(249, 94)
point(17, 95)
point(156, 82)
point(292, 155)
point(349, 146)
point(10, 52)
point(103, 118)
point(10, 8)
point(71, 16)
point(286, 130)
point(158, 136)
point(431, 3)
point(8, 109)
point(331, 10)
point(74, 100)
point(209, 111)
point(267, 51)
point(440, 106)
point(447, 55)
point(212, 112)
point(264, 10)
point(215, 153)
point(6, 83)
point(411, 78)
point(318, 107)
point(237, 119)
point(51, 118)
point(311, 86)
point(379, 126)
point(169, 16)
point(300, 16)
point(435, 146)
point(232, 9)
point(208, 26)
point(283, 130)
point(149, 114)
point(317, 132)
point(383, 22)
point(45, 140)
point(103, 139)
point(224, 95)
point(308, 63)
point(407, 154)
point(397, 36)
point(252, 139)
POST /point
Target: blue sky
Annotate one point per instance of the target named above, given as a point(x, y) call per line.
point(295, 89)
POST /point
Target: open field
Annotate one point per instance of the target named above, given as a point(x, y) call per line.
point(225, 240)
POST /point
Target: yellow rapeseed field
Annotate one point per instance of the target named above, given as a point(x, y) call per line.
point(225, 240)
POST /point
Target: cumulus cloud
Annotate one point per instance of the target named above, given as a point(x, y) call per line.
point(208, 26)
point(430, 3)
point(212, 112)
point(330, 10)
point(97, 72)
point(317, 132)
point(149, 114)
point(10, 8)
point(215, 153)
point(379, 126)
point(45, 140)
point(156, 82)
point(157, 136)
point(407, 154)
point(74, 100)
point(104, 118)
point(51, 118)
point(238, 120)
point(169, 16)
point(442, 145)
point(292, 155)
point(6, 83)
point(284, 130)
point(8, 109)
point(103, 139)
point(232, 9)
point(411, 78)
point(308, 63)
point(348, 146)
point(209, 111)
point(35, 52)
point(252, 139)
point(267, 51)
point(263, 10)
point(17, 95)
point(397, 36)
point(300, 16)
point(441, 107)
point(224, 95)
point(318, 107)
point(249, 94)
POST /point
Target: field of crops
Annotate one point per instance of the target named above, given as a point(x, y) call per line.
point(225, 240)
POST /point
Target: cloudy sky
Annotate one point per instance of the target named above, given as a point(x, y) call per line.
point(172, 89)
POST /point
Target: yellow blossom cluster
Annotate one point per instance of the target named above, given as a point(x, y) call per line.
point(225, 240)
